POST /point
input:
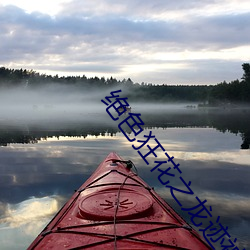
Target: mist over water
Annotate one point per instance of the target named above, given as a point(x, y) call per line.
point(55, 102)
point(58, 103)
point(58, 107)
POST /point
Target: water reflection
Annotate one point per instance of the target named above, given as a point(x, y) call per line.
point(22, 220)
point(234, 121)
point(36, 179)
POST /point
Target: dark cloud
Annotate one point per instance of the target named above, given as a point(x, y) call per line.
point(110, 39)
point(225, 31)
point(222, 30)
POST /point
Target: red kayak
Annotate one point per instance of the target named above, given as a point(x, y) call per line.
point(116, 209)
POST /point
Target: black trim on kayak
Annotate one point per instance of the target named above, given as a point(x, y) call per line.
point(128, 237)
point(113, 170)
point(124, 222)
point(111, 183)
point(99, 178)
point(56, 229)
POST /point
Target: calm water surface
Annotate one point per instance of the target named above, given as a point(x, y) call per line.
point(44, 161)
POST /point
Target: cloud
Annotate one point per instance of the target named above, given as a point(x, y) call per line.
point(29, 210)
point(26, 220)
point(94, 38)
point(148, 9)
point(116, 30)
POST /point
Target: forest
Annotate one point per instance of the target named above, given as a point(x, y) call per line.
point(224, 93)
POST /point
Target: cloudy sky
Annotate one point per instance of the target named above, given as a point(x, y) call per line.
point(157, 41)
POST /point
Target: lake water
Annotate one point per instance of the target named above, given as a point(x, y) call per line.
point(45, 157)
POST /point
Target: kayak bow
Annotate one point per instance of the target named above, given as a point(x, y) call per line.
point(116, 209)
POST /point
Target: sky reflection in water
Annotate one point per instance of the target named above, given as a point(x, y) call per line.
point(36, 179)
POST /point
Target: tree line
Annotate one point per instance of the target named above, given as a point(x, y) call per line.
point(236, 91)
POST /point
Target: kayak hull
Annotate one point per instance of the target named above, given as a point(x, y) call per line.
point(116, 209)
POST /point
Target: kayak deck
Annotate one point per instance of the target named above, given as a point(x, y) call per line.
point(116, 209)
